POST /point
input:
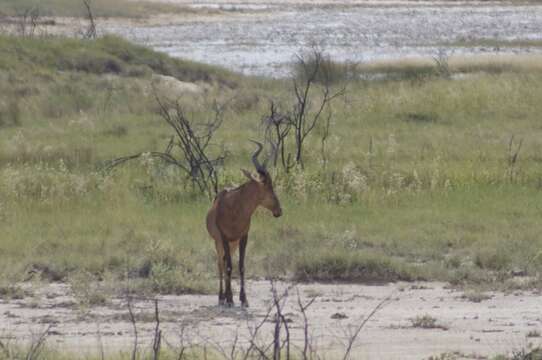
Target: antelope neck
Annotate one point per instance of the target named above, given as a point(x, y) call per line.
point(251, 194)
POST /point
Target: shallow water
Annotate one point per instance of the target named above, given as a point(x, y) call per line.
point(264, 42)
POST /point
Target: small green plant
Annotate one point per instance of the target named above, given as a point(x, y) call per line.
point(426, 322)
point(475, 296)
point(526, 354)
point(87, 289)
point(12, 292)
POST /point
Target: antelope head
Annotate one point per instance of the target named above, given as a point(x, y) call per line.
point(265, 194)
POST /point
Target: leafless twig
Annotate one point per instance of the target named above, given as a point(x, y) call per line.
point(189, 149)
point(312, 95)
point(100, 342)
point(303, 310)
point(512, 159)
point(134, 326)
point(157, 340)
point(91, 30)
point(37, 344)
point(357, 330)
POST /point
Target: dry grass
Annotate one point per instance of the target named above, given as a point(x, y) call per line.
point(419, 175)
point(422, 67)
point(101, 8)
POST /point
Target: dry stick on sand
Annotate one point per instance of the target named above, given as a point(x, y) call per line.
point(37, 345)
point(182, 348)
point(354, 336)
point(100, 341)
point(157, 341)
point(303, 309)
point(134, 325)
point(254, 334)
point(232, 353)
point(276, 338)
point(279, 321)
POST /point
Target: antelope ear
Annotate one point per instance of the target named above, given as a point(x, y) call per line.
point(246, 173)
point(251, 176)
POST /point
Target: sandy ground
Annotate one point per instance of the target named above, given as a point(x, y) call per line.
point(496, 325)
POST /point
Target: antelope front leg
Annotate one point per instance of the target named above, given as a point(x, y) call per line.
point(242, 247)
point(220, 262)
point(227, 260)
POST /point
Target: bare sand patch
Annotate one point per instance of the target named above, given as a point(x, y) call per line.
point(496, 323)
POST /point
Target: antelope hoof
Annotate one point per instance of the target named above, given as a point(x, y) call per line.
point(229, 303)
point(243, 300)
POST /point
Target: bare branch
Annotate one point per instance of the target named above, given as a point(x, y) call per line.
point(91, 30)
point(513, 157)
point(134, 326)
point(157, 340)
point(37, 344)
point(190, 146)
point(354, 336)
point(303, 309)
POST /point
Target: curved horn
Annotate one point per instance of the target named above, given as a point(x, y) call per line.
point(255, 156)
point(271, 155)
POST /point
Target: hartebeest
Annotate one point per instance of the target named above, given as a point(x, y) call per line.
point(228, 223)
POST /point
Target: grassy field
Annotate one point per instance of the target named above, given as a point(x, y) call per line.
point(100, 8)
point(419, 183)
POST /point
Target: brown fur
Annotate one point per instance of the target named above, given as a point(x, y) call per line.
point(228, 223)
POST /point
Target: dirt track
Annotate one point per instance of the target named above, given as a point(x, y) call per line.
point(496, 325)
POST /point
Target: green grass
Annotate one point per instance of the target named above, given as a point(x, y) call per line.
point(100, 8)
point(106, 55)
point(418, 185)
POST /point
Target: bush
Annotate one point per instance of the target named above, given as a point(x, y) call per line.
point(10, 114)
point(327, 70)
point(492, 259)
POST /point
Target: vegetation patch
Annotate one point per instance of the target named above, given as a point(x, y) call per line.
point(476, 296)
point(357, 267)
point(434, 177)
point(100, 8)
point(426, 322)
point(105, 55)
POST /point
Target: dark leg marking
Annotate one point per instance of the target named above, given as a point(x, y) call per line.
point(242, 248)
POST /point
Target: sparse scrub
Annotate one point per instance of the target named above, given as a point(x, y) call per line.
point(325, 70)
point(492, 259)
point(427, 322)
point(523, 354)
point(423, 69)
point(364, 268)
point(475, 296)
